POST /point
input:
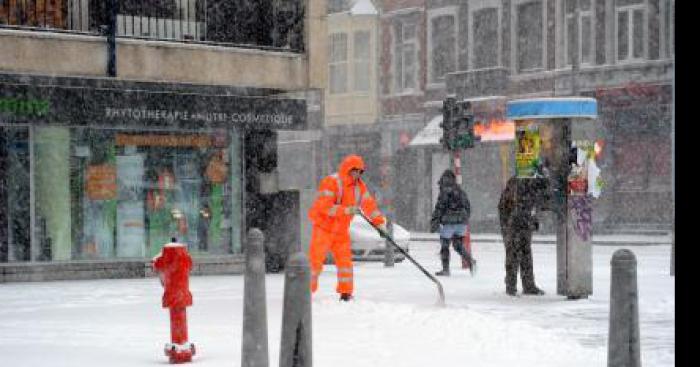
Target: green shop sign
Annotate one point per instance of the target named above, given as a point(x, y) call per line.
point(24, 107)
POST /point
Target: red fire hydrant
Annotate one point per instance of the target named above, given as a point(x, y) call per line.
point(173, 266)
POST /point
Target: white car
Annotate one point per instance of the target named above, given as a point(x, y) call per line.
point(367, 245)
point(365, 242)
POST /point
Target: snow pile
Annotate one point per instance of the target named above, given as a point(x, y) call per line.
point(384, 334)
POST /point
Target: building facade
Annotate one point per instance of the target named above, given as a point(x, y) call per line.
point(352, 96)
point(125, 124)
point(484, 49)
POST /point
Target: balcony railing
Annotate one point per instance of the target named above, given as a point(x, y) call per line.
point(262, 24)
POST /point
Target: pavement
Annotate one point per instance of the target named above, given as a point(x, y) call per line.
point(639, 239)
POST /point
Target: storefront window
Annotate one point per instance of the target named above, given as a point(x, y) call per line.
point(14, 195)
point(103, 194)
point(530, 41)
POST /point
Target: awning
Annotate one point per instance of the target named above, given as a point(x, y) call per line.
point(490, 123)
point(430, 135)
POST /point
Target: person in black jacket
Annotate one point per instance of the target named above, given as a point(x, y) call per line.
point(519, 203)
point(450, 217)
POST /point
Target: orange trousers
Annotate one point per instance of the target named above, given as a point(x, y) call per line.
point(339, 244)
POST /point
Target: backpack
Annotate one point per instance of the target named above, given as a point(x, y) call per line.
point(454, 200)
point(455, 210)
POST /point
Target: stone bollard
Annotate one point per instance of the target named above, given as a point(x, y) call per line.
point(254, 351)
point(388, 247)
point(623, 332)
point(295, 349)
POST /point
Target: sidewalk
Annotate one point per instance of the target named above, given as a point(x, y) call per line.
point(550, 239)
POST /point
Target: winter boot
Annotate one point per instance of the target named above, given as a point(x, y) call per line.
point(472, 265)
point(533, 290)
point(445, 268)
point(444, 257)
point(345, 297)
point(468, 261)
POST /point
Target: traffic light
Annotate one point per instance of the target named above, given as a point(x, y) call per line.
point(457, 125)
point(448, 122)
point(464, 126)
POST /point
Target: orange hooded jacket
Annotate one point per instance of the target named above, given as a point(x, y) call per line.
point(337, 192)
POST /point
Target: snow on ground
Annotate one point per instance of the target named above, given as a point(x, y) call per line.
point(392, 322)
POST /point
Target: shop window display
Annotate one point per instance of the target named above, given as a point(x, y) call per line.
point(132, 191)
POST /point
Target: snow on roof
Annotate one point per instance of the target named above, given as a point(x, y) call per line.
point(430, 135)
point(363, 7)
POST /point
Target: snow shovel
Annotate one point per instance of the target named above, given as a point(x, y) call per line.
point(441, 301)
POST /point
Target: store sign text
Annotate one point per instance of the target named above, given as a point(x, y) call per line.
point(171, 115)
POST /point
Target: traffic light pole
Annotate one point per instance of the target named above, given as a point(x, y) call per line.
point(457, 165)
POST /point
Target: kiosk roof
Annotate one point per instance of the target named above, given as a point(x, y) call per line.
point(547, 108)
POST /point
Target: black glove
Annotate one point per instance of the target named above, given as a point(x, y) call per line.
point(434, 226)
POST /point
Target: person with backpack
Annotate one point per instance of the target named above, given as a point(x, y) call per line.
point(450, 217)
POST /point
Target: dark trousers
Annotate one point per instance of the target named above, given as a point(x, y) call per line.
point(518, 245)
point(456, 244)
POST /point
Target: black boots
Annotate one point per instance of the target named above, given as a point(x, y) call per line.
point(533, 291)
point(445, 269)
point(345, 297)
point(467, 259)
point(444, 257)
point(470, 263)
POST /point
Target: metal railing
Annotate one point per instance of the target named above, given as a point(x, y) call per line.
point(264, 24)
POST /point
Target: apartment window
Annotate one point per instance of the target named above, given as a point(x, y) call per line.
point(362, 53)
point(405, 56)
point(336, 6)
point(585, 31)
point(443, 45)
point(530, 36)
point(338, 63)
point(672, 32)
point(629, 26)
point(486, 38)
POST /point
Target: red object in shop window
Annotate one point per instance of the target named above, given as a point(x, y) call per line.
point(173, 266)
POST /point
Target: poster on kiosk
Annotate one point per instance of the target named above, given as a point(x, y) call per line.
point(555, 139)
point(527, 152)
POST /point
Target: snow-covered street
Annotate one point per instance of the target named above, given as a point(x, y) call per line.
point(393, 320)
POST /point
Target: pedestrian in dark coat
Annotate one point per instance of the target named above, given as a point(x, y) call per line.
point(450, 217)
point(520, 201)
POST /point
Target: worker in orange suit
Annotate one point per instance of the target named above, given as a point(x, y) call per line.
point(341, 195)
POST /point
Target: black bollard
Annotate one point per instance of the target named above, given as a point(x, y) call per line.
point(623, 333)
point(254, 351)
point(295, 349)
